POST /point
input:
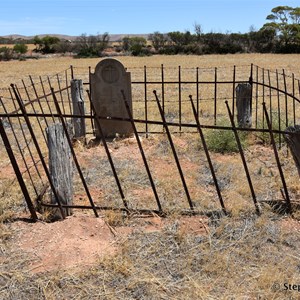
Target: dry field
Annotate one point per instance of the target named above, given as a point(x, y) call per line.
point(12, 71)
point(240, 256)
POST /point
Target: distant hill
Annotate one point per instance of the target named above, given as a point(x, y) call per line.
point(113, 37)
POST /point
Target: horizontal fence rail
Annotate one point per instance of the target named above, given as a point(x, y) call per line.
point(166, 101)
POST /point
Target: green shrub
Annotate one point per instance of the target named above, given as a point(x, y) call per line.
point(20, 48)
point(223, 141)
point(264, 137)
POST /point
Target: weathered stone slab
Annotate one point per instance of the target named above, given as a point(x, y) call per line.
point(109, 79)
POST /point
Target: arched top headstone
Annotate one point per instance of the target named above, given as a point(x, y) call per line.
point(110, 70)
point(107, 83)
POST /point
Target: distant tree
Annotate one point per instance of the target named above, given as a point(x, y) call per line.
point(285, 20)
point(64, 46)
point(158, 40)
point(198, 31)
point(126, 43)
point(136, 45)
point(38, 43)
point(91, 45)
point(20, 48)
point(45, 44)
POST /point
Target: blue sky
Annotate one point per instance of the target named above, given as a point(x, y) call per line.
point(74, 17)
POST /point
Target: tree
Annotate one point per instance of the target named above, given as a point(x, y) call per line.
point(285, 20)
point(136, 45)
point(158, 40)
point(91, 45)
point(198, 31)
point(45, 44)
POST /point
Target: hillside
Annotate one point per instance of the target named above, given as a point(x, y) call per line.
point(113, 37)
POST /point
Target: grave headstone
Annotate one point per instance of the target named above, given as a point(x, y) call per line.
point(107, 83)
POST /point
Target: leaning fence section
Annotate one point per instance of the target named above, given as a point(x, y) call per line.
point(165, 100)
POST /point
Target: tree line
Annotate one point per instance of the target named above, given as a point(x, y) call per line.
point(280, 34)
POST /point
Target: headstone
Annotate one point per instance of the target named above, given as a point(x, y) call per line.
point(107, 83)
point(244, 105)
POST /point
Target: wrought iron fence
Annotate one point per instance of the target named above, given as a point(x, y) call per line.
point(165, 100)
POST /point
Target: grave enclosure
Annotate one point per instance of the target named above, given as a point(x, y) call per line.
point(140, 103)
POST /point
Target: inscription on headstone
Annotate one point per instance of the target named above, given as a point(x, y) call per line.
point(109, 79)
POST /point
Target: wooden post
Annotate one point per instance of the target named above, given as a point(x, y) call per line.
point(60, 167)
point(244, 105)
point(78, 108)
point(293, 142)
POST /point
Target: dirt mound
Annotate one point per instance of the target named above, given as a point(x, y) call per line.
point(80, 240)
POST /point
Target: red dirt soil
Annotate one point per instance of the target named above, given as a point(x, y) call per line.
point(81, 240)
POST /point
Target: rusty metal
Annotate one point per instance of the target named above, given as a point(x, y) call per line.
point(37, 97)
point(46, 97)
point(17, 171)
point(241, 151)
point(233, 89)
point(32, 106)
point(286, 100)
point(197, 91)
point(174, 152)
point(278, 106)
point(97, 120)
point(163, 88)
point(68, 92)
point(215, 96)
point(24, 135)
point(286, 193)
point(36, 144)
point(179, 97)
point(142, 152)
point(19, 148)
point(270, 97)
point(146, 100)
point(211, 167)
point(262, 83)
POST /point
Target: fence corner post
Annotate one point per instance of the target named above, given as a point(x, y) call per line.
point(244, 105)
point(78, 108)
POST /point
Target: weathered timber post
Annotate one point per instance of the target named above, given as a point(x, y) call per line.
point(78, 108)
point(244, 105)
point(60, 167)
point(293, 142)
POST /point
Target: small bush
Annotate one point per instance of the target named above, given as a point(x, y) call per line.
point(6, 53)
point(264, 137)
point(223, 141)
point(20, 48)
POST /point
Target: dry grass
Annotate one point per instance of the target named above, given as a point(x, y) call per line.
point(14, 70)
point(238, 258)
